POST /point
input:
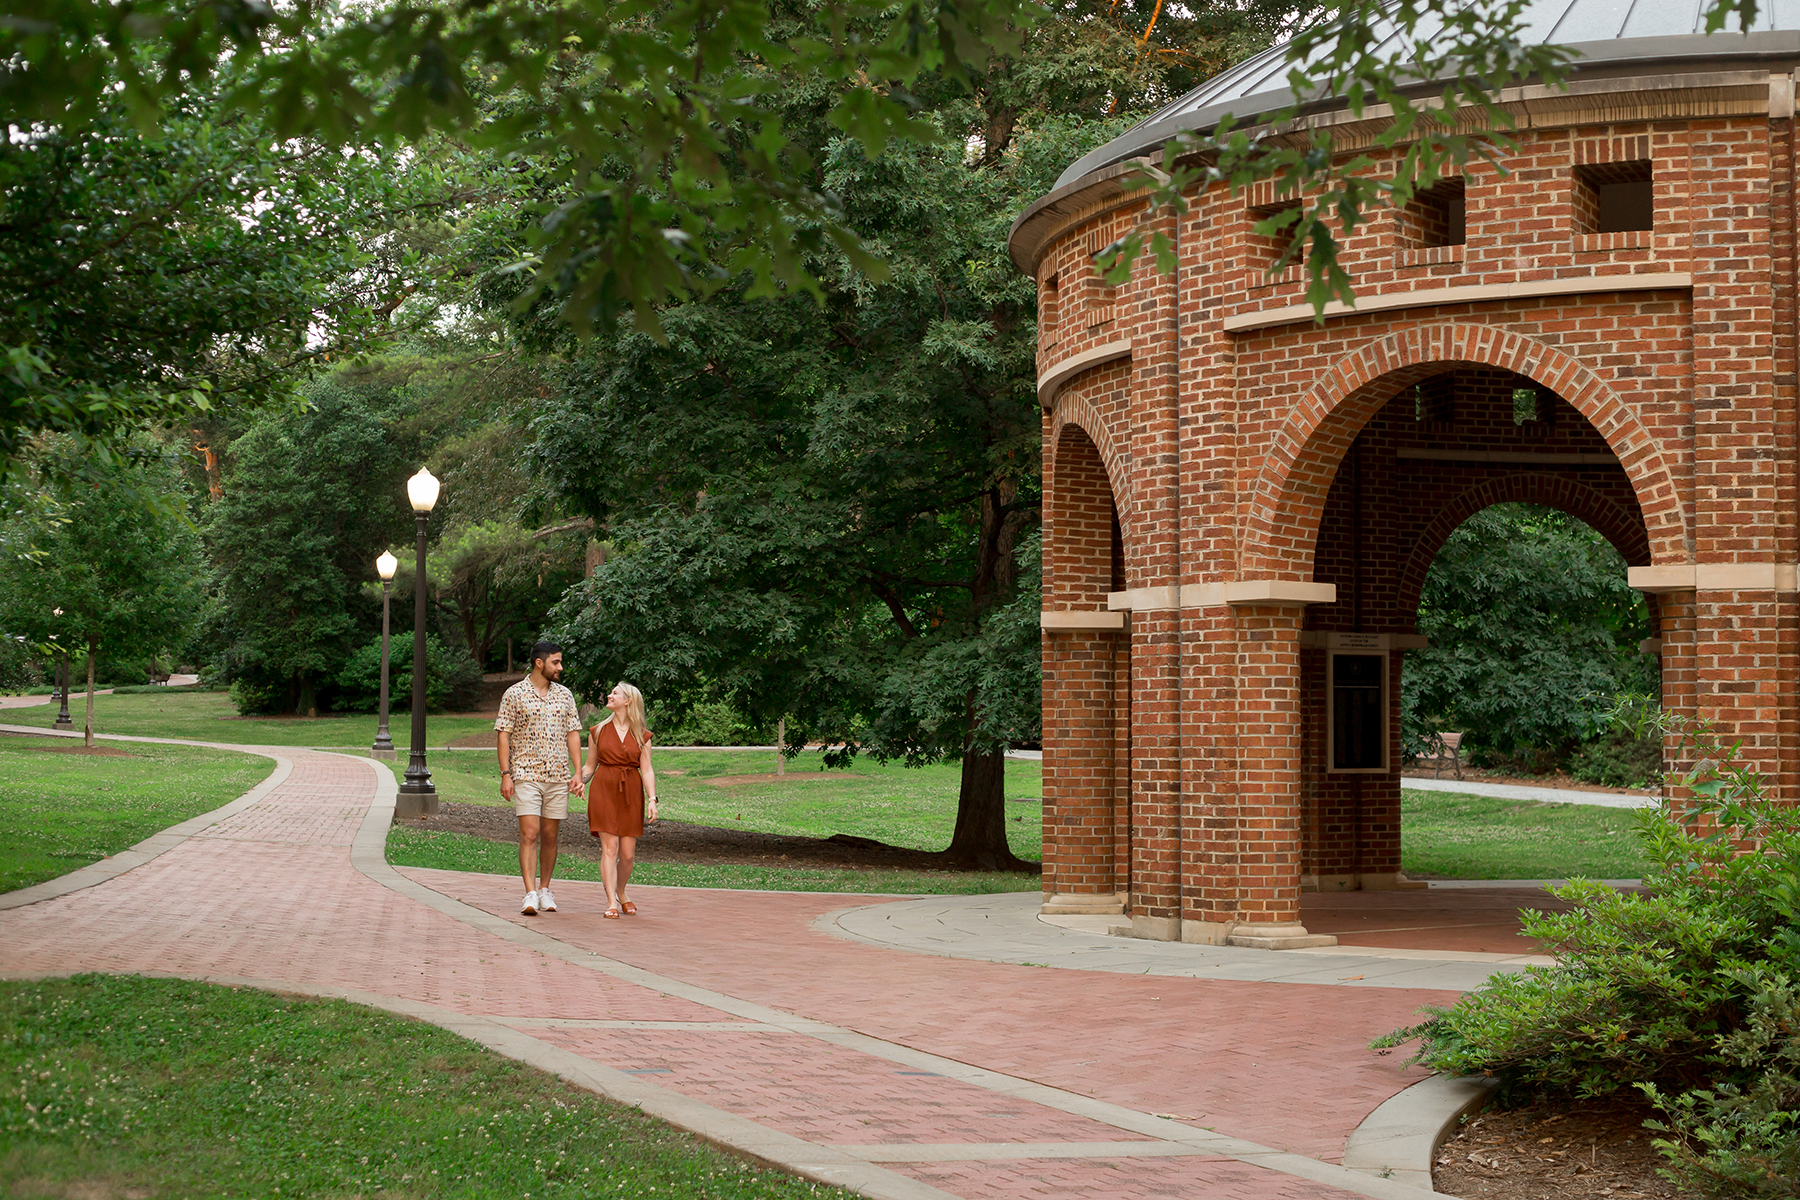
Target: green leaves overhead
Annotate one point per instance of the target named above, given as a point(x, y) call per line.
point(663, 122)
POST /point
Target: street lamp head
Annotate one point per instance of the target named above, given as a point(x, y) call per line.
point(385, 566)
point(422, 490)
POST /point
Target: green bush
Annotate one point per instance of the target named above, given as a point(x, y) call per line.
point(1618, 759)
point(714, 723)
point(452, 678)
point(253, 698)
point(1688, 993)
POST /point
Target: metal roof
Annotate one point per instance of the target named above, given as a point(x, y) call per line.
point(1613, 33)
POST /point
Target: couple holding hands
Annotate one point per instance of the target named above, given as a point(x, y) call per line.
point(539, 727)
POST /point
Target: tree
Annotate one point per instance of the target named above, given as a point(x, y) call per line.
point(200, 266)
point(113, 564)
point(312, 495)
point(1533, 631)
point(824, 508)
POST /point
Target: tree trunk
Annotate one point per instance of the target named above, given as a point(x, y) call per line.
point(88, 730)
point(979, 842)
point(980, 838)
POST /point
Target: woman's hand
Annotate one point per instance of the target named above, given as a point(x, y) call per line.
point(653, 808)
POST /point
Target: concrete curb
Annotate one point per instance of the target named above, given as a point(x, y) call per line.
point(737, 1135)
point(1400, 1138)
point(151, 847)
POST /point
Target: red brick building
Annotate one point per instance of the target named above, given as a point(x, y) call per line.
point(1241, 503)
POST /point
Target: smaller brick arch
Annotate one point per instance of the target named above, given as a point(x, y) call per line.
point(1625, 530)
point(1072, 409)
point(1303, 457)
point(1083, 553)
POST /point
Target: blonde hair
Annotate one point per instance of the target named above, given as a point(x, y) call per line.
point(633, 715)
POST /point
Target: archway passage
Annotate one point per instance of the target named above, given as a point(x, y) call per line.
point(1087, 683)
point(1445, 445)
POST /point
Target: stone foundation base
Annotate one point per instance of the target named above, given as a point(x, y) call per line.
point(412, 805)
point(1290, 935)
point(1107, 904)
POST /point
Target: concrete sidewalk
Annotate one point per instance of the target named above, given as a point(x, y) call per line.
point(1513, 791)
point(763, 1021)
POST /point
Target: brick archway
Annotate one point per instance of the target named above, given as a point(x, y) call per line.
point(1289, 497)
point(1625, 530)
point(1074, 410)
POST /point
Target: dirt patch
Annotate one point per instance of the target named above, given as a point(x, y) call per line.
point(487, 739)
point(1595, 1148)
point(695, 845)
point(797, 777)
point(89, 751)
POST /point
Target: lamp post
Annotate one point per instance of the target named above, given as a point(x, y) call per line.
point(63, 720)
point(385, 566)
point(417, 796)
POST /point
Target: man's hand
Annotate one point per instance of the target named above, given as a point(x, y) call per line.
point(574, 784)
point(506, 787)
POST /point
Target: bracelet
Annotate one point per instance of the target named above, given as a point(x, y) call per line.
point(507, 771)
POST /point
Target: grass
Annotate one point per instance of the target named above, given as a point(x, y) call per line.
point(465, 852)
point(132, 1087)
point(1479, 837)
point(62, 811)
point(902, 806)
point(210, 717)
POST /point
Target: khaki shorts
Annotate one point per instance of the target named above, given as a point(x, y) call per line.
point(547, 800)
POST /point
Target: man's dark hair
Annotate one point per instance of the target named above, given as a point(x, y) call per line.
point(541, 650)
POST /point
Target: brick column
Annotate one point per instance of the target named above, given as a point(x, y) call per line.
point(1080, 770)
point(1156, 833)
point(1270, 749)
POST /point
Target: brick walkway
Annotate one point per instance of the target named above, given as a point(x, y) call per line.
point(900, 1074)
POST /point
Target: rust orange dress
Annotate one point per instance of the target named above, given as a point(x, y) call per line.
point(616, 793)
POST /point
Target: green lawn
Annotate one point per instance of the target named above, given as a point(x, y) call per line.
point(902, 806)
point(61, 811)
point(465, 852)
point(209, 717)
point(1479, 837)
point(153, 1089)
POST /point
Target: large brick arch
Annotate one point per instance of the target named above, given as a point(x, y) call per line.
point(1079, 412)
point(1302, 459)
point(1609, 518)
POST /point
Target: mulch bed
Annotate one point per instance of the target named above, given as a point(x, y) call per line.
point(1560, 1150)
point(696, 845)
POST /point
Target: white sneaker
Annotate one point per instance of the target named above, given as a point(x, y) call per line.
point(530, 907)
point(546, 902)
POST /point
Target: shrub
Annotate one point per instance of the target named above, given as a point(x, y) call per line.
point(256, 699)
point(713, 723)
point(452, 678)
point(1693, 985)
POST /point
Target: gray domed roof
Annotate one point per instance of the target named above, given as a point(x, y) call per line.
point(1609, 33)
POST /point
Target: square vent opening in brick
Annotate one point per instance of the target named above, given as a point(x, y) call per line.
point(1613, 197)
point(1436, 216)
point(1270, 249)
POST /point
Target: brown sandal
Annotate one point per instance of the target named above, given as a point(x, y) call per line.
point(611, 914)
point(629, 907)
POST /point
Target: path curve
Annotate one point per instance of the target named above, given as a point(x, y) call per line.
point(890, 1072)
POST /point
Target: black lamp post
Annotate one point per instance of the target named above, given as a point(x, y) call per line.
point(417, 796)
point(385, 566)
point(63, 720)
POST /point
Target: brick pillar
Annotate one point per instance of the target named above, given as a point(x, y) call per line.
point(1156, 832)
point(1080, 770)
point(1270, 749)
point(1737, 658)
point(1211, 795)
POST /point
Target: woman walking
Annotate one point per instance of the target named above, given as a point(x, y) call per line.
point(621, 782)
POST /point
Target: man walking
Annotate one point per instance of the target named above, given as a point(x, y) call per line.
point(539, 726)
